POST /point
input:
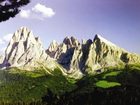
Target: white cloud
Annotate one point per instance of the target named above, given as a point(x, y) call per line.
point(39, 11)
point(1, 41)
point(25, 13)
point(43, 10)
point(2, 50)
point(4, 41)
point(7, 37)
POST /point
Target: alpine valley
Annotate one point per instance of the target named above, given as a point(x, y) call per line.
point(90, 72)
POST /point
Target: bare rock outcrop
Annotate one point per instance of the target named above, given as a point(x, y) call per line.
point(66, 55)
point(52, 48)
point(91, 55)
point(1, 59)
point(24, 49)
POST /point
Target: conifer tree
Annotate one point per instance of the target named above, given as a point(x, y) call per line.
point(10, 8)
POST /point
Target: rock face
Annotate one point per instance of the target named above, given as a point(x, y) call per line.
point(103, 53)
point(90, 56)
point(52, 48)
point(1, 59)
point(24, 49)
point(65, 54)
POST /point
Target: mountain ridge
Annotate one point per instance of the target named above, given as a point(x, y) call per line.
point(94, 71)
point(19, 50)
point(77, 59)
point(91, 54)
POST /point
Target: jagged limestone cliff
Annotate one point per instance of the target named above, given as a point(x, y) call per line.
point(91, 56)
point(65, 54)
point(77, 59)
point(24, 49)
point(1, 59)
point(103, 53)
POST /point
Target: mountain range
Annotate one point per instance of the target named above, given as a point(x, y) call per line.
point(76, 59)
point(90, 72)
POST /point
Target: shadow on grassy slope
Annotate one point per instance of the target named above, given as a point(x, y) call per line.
point(19, 86)
point(90, 93)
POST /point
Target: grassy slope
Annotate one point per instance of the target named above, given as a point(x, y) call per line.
point(30, 86)
point(113, 87)
point(34, 86)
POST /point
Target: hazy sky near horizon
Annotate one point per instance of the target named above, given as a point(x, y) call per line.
point(115, 20)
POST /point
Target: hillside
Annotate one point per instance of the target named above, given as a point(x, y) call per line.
point(115, 86)
point(94, 72)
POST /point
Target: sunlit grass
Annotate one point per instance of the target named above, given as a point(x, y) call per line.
point(24, 86)
point(106, 84)
point(30, 86)
point(113, 73)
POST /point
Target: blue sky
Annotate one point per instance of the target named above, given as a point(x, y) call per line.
point(115, 20)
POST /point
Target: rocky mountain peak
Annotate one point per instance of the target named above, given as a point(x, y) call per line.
point(100, 39)
point(24, 49)
point(22, 34)
point(53, 46)
point(71, 41)
point(90, 56)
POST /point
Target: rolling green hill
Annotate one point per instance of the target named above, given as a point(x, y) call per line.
point(20, 86)
point(115, 85)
